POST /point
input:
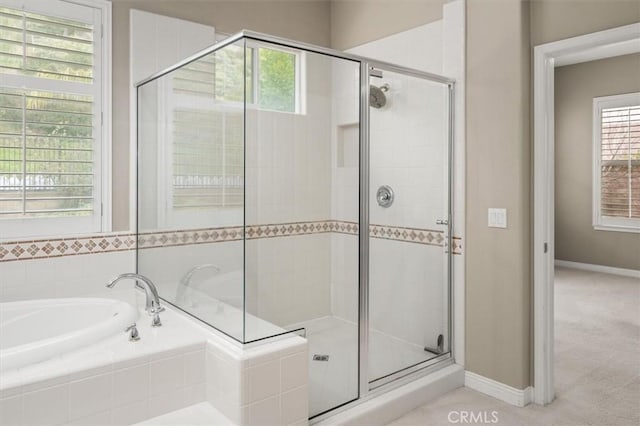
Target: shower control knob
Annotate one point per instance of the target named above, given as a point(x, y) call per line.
point(385, 196)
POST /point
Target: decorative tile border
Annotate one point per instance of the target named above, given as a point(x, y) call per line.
point(148, 240)
point(457, 245)
point(410, 235)
point(105, 243)
point(45, 248)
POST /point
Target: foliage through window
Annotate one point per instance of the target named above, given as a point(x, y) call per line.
point(271, 77)
point(50, 106)
point(617, 162)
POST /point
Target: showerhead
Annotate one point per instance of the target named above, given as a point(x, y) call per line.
point(377, 97)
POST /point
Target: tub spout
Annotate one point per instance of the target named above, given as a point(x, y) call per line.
point(152, 304)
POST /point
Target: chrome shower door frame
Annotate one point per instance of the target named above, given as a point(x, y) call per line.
point(368, 388)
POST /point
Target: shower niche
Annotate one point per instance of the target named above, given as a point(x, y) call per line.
point(258, 164)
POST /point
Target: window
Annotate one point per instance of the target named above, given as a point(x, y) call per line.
point(616, 170)
point(273, 77)
point(204, 135)
point(54, 95)
point(208, 159)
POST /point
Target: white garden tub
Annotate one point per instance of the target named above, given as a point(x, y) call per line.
point(36, 330)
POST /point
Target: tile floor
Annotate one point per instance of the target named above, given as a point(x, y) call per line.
point(597, 361)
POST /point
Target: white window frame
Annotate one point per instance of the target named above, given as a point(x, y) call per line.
point(600, 222)
point(300, 79)
point(100, 220)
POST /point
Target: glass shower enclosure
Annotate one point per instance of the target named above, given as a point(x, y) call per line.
point(287, 188)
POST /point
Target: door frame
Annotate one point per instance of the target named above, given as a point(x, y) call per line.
point(598, 45)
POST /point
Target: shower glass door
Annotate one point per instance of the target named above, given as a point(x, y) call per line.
point(408, 233)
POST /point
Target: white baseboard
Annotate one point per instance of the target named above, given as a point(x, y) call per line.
point(634, 273)
point(513, 396)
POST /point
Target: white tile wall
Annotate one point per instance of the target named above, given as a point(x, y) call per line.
point(90, 396)
point(259, 380)
point(67, 276)
point(292, 282)
point(295, 405)
point(132, 384)
point(263, 385)
point(294, 371)
point(119, 396)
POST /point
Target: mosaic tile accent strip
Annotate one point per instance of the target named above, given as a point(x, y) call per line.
point(44, 248)
point(288, 229)
point(189, 237)
point(410, 235)
point(105, 243)
point(457, 245)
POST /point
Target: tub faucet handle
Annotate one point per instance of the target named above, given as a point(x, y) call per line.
point(152, 303)
point(133, 333)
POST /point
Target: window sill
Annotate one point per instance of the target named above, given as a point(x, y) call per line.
point(615, 228)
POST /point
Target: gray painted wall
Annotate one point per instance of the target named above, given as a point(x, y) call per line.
point(500, 34)
point(355, 22)
point(498, 175)
point(576, 86)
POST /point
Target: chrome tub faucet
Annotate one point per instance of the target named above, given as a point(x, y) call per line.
point(152, 305)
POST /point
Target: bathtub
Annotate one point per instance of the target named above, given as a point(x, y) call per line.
point(36, 330)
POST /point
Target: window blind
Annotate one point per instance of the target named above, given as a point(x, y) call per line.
point(48, 144)
point(620, 162)
point(208, 141)
point(208, 151)
point(45, 46)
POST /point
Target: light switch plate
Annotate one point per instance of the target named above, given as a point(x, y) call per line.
point(497, 218)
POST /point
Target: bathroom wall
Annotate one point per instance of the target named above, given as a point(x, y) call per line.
point(71, 267)
point(498, 175)
point(500, 35)
point(354, 23)
point(575, 88)
point(553, 20)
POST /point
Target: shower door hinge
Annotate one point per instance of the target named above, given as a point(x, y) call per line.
point(546, 247)
point(375, 73)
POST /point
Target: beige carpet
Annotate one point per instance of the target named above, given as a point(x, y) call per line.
point(597, 361)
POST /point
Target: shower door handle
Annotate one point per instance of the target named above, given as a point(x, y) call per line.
point(442, 222)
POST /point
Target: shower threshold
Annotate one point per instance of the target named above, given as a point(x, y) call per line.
point(334, 381)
